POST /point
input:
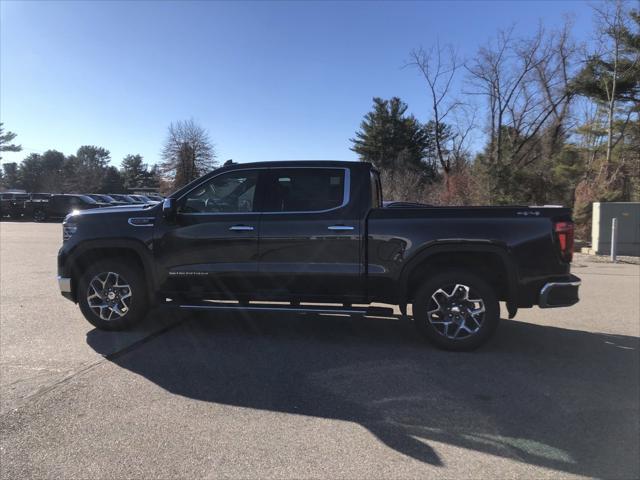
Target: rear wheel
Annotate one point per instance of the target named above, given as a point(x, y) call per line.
point(112, 295)
point(456, 310)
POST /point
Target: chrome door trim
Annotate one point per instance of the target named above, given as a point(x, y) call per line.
point(340, 227)
point(241, 228)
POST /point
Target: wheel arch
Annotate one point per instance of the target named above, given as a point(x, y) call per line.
point(128, 250)
point(489, 260)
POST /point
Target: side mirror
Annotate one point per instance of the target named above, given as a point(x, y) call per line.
point(169, 209)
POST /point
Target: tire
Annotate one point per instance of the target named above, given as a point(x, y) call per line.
point(444, 313)
point(103, 295)
point(39, 215)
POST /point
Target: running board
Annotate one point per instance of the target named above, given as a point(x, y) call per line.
point(266, 307)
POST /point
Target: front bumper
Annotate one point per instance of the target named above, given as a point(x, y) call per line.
point(64, 284)
point(560, 293)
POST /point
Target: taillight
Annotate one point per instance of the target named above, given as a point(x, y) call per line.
point(564, 233)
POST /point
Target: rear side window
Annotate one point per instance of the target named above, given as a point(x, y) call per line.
point(304, 189)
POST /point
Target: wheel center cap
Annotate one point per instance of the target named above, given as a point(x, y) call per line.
point(455, 309)
point(111, 295)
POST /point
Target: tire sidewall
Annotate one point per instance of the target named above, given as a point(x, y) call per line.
point(139, 302)
point(475, 283)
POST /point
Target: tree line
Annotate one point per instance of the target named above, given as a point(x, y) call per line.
point(187, 154)
point(557, 123)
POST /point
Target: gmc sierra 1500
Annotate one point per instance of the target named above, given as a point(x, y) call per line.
point(314, 233)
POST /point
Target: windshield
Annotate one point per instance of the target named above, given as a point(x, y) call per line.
point(86, 198)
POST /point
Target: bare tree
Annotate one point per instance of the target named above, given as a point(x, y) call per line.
point(438, 66)
point(553, 75)
point(187, 153)
point(612, 29)
point(403, 185)
point(526, 84)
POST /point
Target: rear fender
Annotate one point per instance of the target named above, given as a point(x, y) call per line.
point(453, 247)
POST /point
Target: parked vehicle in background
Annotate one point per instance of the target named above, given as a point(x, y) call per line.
point(12, 204)
point(141, 199)
point(98, 197)
point(155, 197)
point(60, 206)
point(317, 232)
point(36, 207)
point(123, 198)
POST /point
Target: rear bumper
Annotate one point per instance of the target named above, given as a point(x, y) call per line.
point(560, 293)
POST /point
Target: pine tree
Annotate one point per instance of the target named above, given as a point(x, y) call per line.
point(391, 140)
point(5, 138)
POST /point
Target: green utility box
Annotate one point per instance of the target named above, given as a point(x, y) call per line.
point(628, 215)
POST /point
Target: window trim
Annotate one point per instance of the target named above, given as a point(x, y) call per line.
point(345, 194)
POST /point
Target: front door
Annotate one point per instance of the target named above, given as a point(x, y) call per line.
point(310, 235)
point(211, 247)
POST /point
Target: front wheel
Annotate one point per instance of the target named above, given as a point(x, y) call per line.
point(456, 310)
point(112, 295)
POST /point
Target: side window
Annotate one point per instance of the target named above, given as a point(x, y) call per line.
point(304, 189)
point(227, 193)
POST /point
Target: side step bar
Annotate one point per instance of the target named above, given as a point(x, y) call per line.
point(266, 307)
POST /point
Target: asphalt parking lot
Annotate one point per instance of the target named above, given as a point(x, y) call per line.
point(555, 394)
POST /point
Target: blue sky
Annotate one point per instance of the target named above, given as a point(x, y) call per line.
point(268, 80)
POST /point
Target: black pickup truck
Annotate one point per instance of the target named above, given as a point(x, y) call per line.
point(315, 234)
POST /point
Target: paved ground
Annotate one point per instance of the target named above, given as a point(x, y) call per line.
point(555, 394)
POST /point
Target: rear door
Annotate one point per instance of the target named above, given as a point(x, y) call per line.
point(212, 245)
point(310, 235)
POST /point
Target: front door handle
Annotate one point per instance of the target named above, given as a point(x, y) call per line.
point(241, 228)
point(340, 227)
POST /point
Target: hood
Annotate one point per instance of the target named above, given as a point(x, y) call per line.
point(78, 215)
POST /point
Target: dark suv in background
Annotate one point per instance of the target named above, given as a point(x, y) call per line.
point(60, 206)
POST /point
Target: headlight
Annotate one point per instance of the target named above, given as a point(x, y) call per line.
point(68, 229)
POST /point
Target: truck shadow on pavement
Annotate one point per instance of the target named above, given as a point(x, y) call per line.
point(545, 396)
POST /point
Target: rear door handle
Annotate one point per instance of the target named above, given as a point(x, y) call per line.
point(340, 227)
point(241, 228)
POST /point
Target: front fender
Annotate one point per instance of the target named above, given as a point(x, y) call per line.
point(69, 265)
